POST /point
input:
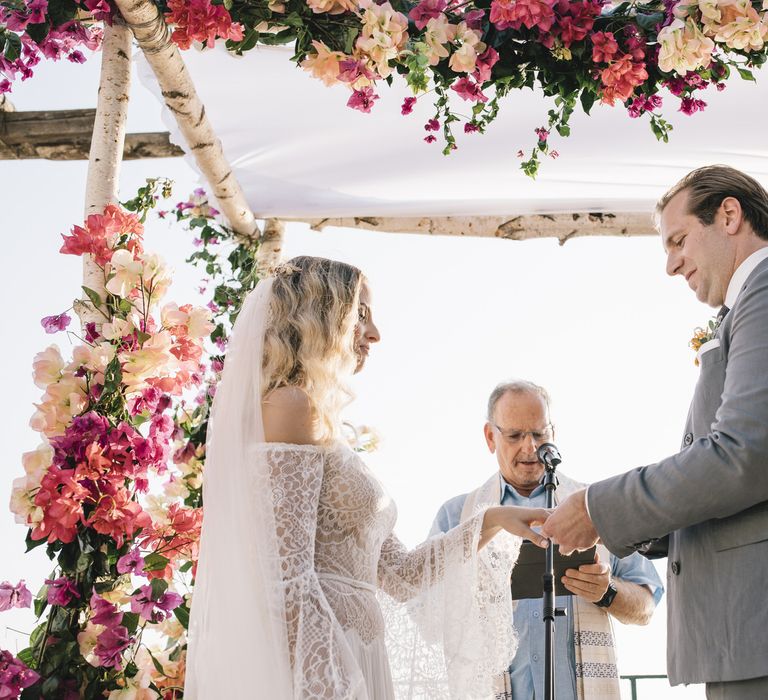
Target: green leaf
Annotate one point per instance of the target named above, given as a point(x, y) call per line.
point(182, 615)
point(27, 657)
point(94, 296)
point(159, 586)
point(155, 562)
point(113, 375)
point(588, 98)
point(130, 621)
point(32, 544)
point(746, 74)
point(156, 664)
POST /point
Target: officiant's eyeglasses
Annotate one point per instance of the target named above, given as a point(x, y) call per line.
point(514, 437)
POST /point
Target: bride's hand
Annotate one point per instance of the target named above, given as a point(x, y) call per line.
point(517, 521)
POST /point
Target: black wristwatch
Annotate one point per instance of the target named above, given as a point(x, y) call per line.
point(608, 596)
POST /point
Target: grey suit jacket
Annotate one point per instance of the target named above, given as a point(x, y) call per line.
point(712, 500)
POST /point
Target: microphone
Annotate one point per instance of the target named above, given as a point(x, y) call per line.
point(548, 455)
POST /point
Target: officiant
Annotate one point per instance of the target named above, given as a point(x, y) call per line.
point(627, 589)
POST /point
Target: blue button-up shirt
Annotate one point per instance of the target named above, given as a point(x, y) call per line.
point(527, 670)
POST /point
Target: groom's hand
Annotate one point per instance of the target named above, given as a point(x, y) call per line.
point(570, 525)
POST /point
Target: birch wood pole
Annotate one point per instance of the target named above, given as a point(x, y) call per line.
point(181, 98)
point(107, 144)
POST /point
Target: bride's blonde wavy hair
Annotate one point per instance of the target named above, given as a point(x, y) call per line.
point(309, 341)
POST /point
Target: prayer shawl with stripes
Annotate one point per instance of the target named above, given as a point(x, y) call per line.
point(594, 649)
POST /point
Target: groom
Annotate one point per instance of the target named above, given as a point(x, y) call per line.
point(711, 498)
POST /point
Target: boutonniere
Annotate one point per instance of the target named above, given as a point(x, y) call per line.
point(704, 335)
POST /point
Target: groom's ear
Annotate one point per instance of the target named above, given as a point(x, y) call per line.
point(490, 438)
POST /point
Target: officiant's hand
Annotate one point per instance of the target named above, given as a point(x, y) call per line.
point(515, 520)
point(570, 525)
point(589, 581)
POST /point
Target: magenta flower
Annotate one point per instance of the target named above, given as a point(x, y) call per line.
point(407, 106)
point(352, 69)
point(468, 90)
point(542, 133)
point(470, 128)
point(37, 10)
point(54, 324)
point(432, 125)
point(484, 63)
point(17, 596)
point(110, 645)
point(430, 138)
point(14, 676)
point(690, 105)
point(131, 563)
point(425, 11)
point(62, 591)
point(363, 99)
point(154, 610)
point(104, 613)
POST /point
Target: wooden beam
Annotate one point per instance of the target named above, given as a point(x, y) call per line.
point(512, 227)
point(66, 135)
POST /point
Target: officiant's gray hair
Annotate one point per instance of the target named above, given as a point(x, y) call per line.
point(515, 386)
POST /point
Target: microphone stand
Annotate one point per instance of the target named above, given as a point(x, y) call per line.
point(549, 479)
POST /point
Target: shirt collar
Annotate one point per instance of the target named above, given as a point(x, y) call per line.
point(504, 487)
point(743, 271)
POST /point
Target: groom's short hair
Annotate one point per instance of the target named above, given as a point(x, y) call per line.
point(515, 386)
point(707, 187)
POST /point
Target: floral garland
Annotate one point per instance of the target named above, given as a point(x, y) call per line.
point(120, 521)
point(578, 52)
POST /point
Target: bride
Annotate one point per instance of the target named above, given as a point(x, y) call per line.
point(302, 590)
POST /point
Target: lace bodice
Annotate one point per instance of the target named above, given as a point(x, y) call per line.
point(334, 525)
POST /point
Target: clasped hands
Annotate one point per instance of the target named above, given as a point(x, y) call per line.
point(570, 527)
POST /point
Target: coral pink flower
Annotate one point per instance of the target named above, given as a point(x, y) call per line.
point(485, 62)
point(99, 233)
point(201, 20)
point(621, 78)
point(118, 517)
point(518, 13)
point(604, 47)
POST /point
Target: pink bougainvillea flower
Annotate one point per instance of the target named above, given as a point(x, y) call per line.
point(425, 11)
point(542, 133)
point(519, 13)
point(131, 563)
point(154, 610)
point(99, 233)
point(62, 591)
point(470, 128)
point(104, 612)
point(100, 9)
point(621, 78)
point(351, 70)
point(37, 10)
point(362, 99)
point(407, 106)
point(54, 324)
point(201, 20)
point(110, 646)
point(604, 47)
point(14, 675)
point(690, 105)
point(432, 125)
point(430, 139)
point(485, 62)
point(469, 90)
point(17, 596)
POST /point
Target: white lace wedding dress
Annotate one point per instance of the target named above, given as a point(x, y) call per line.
point(338, 554)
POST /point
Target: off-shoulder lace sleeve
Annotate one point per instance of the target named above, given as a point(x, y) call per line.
point(322, 663)
point(457, 617)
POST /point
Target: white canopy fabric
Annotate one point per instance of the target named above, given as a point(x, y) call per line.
point(299, 152)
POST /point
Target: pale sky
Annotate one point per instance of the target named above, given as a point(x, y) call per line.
point(597, 322)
